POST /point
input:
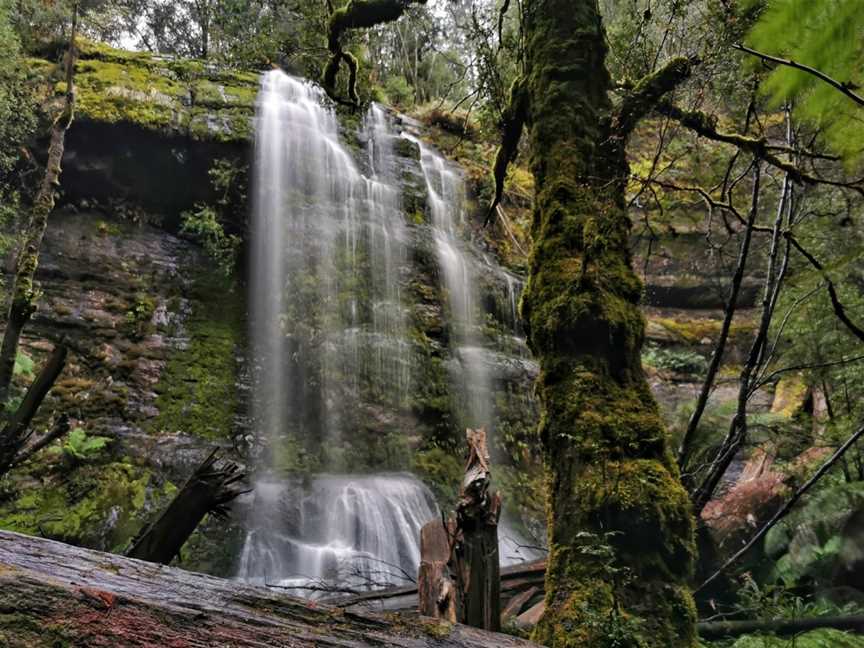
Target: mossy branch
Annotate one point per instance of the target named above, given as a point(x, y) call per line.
point(645, 95)
point(357, 14)
point(512, 125)
point(705, 125)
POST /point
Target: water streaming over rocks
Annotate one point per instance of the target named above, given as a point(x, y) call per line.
point(336, 366)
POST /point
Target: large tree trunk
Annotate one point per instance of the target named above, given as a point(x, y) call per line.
point(620, 523)
point(54, 594)
point(22, 303)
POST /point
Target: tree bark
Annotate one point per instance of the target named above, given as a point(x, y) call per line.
point(209, 491)
point(610, 474)
point(436, 591)
point(475, 550)
point(24, 293)
point(55, 594)
point(17, 432)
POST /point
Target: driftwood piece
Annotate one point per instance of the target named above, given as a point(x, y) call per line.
point(210, 489)
point(475, 550)
point(58, 594)
point(436, 591)
point(16, 433)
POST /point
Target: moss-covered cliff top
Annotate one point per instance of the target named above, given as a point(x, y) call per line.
point(172, 96)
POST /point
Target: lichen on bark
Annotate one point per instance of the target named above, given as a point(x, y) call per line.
point(610, 474)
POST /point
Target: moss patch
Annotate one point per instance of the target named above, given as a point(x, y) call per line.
point(175, 96)
point(96, 505)
point(197, 389)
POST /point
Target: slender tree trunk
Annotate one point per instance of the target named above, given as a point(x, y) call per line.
point(24, 292)
point(720, 347)
point(16, 433)
point(611, 477)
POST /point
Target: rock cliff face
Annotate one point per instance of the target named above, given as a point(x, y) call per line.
point(159, 331)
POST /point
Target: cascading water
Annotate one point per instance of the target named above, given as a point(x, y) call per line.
point(330, 345)
point(350, 532)
point(328, 334)
point(446, 190)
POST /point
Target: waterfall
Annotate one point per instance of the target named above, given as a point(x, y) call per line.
point(328, 334)
point(330, 352)
point(337, 531)
point(470, 375)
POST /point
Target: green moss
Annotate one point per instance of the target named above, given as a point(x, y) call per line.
point(182, 96)
point(197, 388)
point(604, 444)
point(96, 505)
point(442, 473)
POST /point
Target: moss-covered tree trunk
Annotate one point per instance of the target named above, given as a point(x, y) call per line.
point(23, 299)
point(620, 523)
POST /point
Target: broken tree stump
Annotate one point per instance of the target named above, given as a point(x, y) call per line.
point(57, 594)
point(209, 491)
point(436, 591)
point(474, 558)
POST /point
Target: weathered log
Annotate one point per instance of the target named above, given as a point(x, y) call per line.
point(436, 591)
point(53, 594)
point(517, 604)
point(782, 627)
point(17, 432)
point(514, 579)
point(475, 550)
point(209, 491)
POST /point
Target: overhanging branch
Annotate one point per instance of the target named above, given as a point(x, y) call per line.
point(706, 126)
point(357, 14)
point(843, 87)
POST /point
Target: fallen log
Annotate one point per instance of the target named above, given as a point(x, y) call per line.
point(55, 594)
point(781, 627)
point(514, 579)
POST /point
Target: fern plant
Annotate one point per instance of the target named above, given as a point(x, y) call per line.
point(79, 446)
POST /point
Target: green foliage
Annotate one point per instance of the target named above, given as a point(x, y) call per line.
point(398, 91)
point(824, 35)
point(823, 638)
point(140, 315)
point(17, 119)
point(679, 361)
point(205, 223)
point(23, 365)
point(79, 446)
point(807, 545)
